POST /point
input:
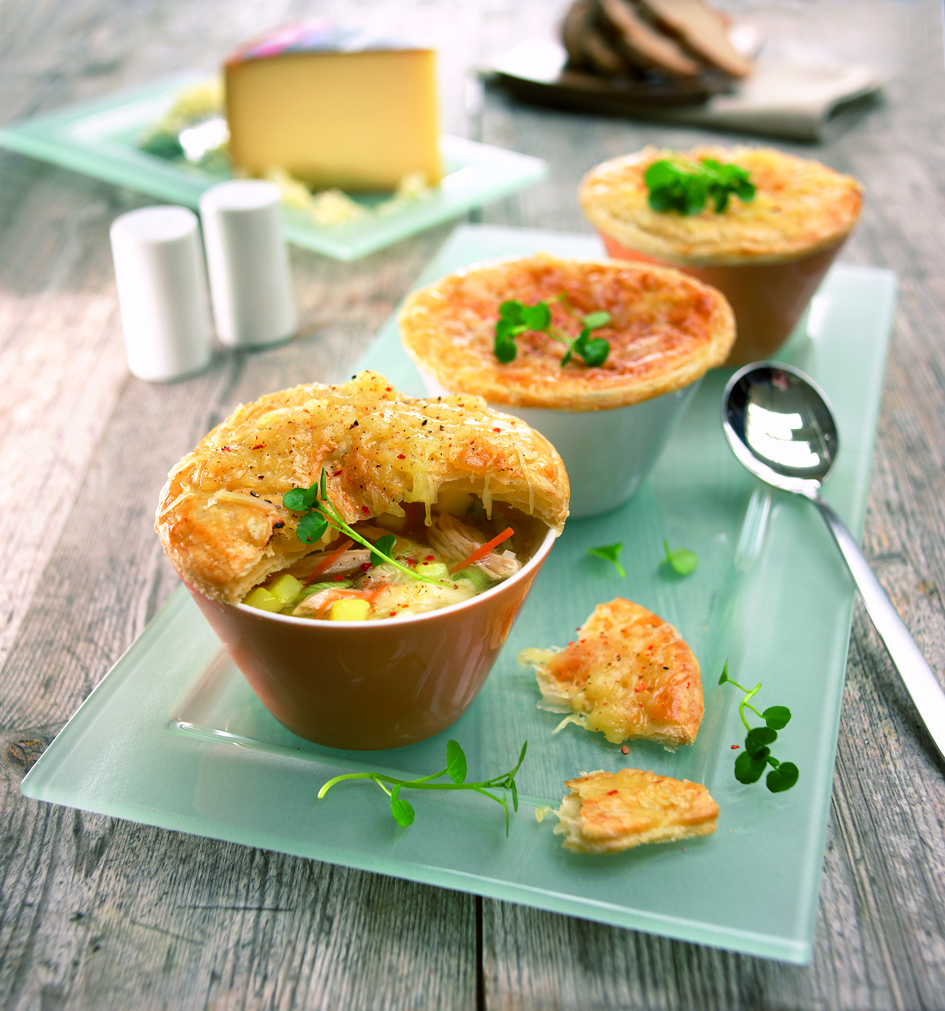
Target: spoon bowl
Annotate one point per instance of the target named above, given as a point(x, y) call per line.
point(781, 427)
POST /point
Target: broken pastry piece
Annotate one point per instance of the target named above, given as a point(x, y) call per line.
point(607, 812)
point(628, 674)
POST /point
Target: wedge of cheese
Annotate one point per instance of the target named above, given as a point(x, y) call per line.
point(333, 108)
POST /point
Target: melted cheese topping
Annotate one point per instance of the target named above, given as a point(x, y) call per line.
point(666, 331)
point(608, 812)
point(221, 519)
point(629, 674)
point(800, 207)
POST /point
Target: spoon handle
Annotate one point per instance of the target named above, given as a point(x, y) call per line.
point(920, 682)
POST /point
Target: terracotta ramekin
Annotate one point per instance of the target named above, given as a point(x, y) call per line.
point(768, 299)
point(372, 685)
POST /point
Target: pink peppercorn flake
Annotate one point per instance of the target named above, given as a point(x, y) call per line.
point(365, 510)
point(400, 456)
point(624, 750)
point(735, 747)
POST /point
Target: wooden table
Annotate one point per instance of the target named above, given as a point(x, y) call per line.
point(97, 912)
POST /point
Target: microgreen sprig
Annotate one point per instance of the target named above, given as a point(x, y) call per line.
point(610, 552)
point(751, 763)
point(683, 185)
point(516, 318)
point(403, 812)
point(320, 514)
point(682, 561)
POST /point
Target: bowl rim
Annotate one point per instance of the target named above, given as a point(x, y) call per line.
point(541, 552)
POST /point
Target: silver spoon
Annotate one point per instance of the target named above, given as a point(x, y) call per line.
point(782, 428)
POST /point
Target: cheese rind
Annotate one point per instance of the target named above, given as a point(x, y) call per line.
point(360, 120)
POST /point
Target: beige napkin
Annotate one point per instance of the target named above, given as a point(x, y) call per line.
point(794, 100)
point(799, 101)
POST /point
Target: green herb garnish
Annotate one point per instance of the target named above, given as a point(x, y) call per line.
point(751, 763)
point(685, 186)
point(610, 552)
point(456, 770)
point(516, 318)
point(682, 561)
point(320, 514)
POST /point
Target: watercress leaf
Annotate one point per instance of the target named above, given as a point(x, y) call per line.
point(536, 317)
point(757, 738)
point(611, 553)
point(720, 195)
point(383, 544)
point(580, 342)
point(748, 769)
point(401, 809)
point(323, 492)
point(724, 676)
point(511, 310)
point(455, 762)
point(595, 351)
point(782, 778)
point(661, 173)
point(682, 561)
point(567, 357)
point(514, 790)
point(505, 350)
point(777, 717)
point(745, 190)
point(595, 320)
point(298, 499)
point(311, 528)
point(521, 758)
point(505, 329)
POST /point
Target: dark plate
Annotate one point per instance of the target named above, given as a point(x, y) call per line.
point(537, 71)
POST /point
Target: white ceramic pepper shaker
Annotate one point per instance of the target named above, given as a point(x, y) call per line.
point(248, 263)
point(162, 292)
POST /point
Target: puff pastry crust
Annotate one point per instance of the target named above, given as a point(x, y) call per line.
point(666, 330)
point(220, 516)
point(606, 812)
point(800, 207)
point(628, 674)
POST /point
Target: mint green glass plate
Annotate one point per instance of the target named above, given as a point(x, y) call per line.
point(174, 737)
point(100, 140)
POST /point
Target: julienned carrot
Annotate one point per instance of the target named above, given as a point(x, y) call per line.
point(326, 563)
point(484, 550)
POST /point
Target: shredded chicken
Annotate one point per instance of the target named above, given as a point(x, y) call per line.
point(456, 540)
point(352, 559)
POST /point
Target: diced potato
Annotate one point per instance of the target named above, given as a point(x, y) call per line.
point(286, 587)
point(263, 600)
point(453, 501)
point(433, 570)
point(349, 610)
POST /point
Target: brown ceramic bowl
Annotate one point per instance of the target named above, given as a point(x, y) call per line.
point(767, 256)
point(768, 299)
point(370, 685)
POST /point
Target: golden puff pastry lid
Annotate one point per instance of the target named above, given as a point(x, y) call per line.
point(607, 812)
point(628, 674)
point(666, 331)
point(220, 516)
point(800, 207)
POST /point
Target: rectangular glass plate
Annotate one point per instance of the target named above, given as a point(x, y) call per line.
point(174, 737)
point(99, 139)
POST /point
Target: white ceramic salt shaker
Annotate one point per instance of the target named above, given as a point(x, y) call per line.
point(248, 263)
point(162, 292)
